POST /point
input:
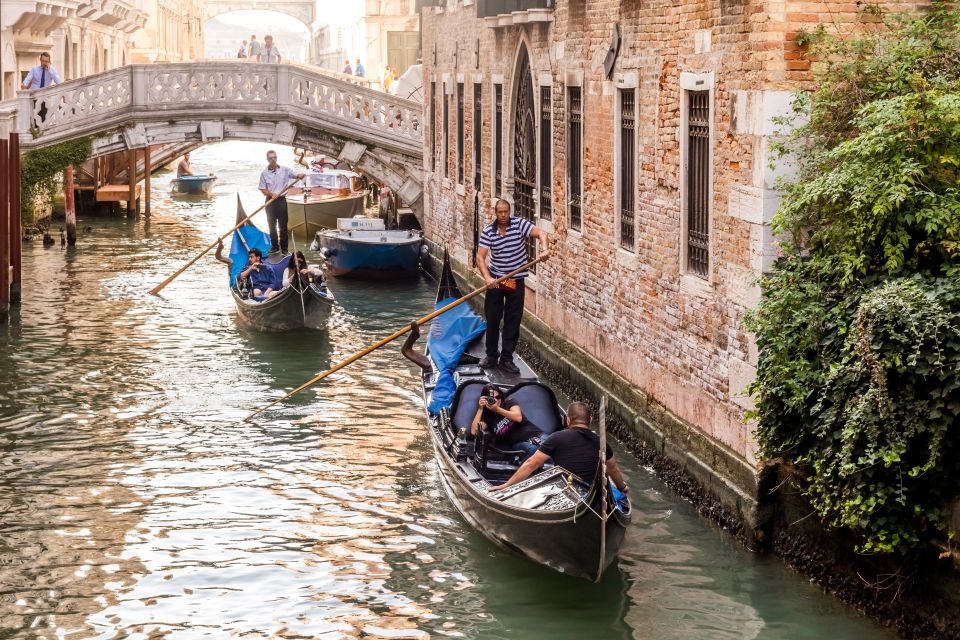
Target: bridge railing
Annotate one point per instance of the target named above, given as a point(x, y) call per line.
point(218, 89)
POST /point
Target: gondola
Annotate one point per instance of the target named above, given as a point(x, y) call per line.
point(552, 517)
point(289, 309)
point(200, 185)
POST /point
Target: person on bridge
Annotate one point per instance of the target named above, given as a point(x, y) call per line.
point(253, 51)
point(273, 180)
point(242, 53)
point(42, 75)
point(183, 168)
point(359, 70)
point(268, 52)
point(504, 242)
point(347, 69)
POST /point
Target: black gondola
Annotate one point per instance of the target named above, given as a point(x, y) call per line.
point(290, 309)
point(551, 517)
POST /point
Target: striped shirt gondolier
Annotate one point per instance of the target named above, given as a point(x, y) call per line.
point(509, 251)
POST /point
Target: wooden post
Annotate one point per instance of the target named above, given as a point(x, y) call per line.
point(70, 209)
point(16, 232)
point(132, 179)
point(4, 232)
point(147, 162)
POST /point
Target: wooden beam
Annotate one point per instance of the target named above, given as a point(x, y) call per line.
point(132, 182)
point(146, 179)
point(4, 231)
point(16, 232)
point(69, 208)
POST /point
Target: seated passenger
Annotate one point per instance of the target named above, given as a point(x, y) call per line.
point(504, 418)
point(300, 274)
point(576, 449)
point(261, 279)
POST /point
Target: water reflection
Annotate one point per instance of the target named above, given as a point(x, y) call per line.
point(136, 503)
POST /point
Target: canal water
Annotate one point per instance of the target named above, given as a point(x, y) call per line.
point(136, 503)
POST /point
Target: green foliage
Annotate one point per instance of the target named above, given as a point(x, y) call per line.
point(41, 168)
point(859, 325)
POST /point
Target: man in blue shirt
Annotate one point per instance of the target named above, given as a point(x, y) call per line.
point(42, 75)
point(503, 242)
point(273, 180)
point(359, 70)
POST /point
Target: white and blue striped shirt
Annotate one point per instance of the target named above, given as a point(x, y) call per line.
point(507, 251)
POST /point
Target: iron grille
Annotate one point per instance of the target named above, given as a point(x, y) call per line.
point(477, 127)
point(575, 143)
point(525, 151)
point(459, 133)
point(627, 160)
point(498, 140)
point(698, 182)
point(446, 135)
point(433, 126)
point(546, 171)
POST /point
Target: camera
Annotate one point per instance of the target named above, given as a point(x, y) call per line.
point(491, 398)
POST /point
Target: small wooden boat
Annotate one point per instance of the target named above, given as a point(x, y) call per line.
point(289, 309)
point(328, 194)
point(200, 185)
point(362, 247)
point(552, 517)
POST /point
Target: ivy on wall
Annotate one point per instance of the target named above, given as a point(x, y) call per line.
point(40, 171)
point(858, 328)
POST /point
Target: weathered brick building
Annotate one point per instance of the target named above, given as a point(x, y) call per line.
point(638, 134)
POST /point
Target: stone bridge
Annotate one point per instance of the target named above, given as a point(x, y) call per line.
point(183, 105)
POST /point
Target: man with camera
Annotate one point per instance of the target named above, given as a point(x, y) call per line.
point(503, 418)
point(503, 244)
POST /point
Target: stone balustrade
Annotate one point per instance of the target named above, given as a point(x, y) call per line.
point(219, 90)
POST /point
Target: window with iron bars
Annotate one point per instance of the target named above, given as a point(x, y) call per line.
point(574, 147)
point(546, 160)
point(698, 182)
point(498, 140)
point(433, 126)
point(627, 160)
point(460, 133)
point(446, 135)
point(477, 129)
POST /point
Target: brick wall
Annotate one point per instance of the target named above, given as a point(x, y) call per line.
point(674, 335)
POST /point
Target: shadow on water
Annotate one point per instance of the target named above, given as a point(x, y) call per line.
point(135, 502)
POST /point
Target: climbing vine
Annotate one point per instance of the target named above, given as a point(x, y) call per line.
point(858, 328)
point(40, 170)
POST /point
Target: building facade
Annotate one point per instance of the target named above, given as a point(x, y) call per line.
point(638, 136)
point(82, 38)
point(173, 31)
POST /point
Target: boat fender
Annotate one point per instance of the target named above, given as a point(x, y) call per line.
point(325, 253)
point(424, 251)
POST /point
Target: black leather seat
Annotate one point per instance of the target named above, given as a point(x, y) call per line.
point(538, 404)
point(466, 399)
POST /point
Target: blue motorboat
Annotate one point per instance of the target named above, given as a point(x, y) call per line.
point(364, 248)
point(200, 185)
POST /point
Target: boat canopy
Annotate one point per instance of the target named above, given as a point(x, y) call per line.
point(450, 334)
point(329, 179)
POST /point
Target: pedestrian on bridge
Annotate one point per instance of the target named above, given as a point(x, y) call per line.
point(242, 53)
point(347, 69)
point(268, 52)
point(359, 70)
point(273, 180)
point(253, 51)
point(42, 75)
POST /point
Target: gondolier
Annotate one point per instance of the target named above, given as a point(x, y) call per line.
point(273, 180)
point(503, 244)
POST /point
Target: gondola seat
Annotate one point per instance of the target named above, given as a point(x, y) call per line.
point(538, 404)
point(465, 403)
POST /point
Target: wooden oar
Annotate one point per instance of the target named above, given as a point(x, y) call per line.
point(157, 289)
point(396, 334)
point(602, 477)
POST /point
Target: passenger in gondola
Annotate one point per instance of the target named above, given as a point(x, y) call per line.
point(576, 449)
point(503, 419)
point(261, 279)
point(299, 274)
point(219, 255)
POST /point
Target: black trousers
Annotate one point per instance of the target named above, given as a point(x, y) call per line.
point(503, 305)
point(277, 215)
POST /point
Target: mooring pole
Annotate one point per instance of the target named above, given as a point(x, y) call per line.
point(70, 209)
point(16, 231)
point(147, 165)
point(132, 177)
point(4, 231)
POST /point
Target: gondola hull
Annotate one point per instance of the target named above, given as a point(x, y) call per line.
point(371, 254)
point(306, 216)
point(193, 185)
point(286, 311)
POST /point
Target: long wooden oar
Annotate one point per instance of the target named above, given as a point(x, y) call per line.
point(396, 334)
point(157, 289)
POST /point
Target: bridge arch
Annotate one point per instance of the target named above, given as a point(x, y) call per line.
point(302, 10)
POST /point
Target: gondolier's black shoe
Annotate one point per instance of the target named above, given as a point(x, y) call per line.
point(507, 366)
point(489, 363)
point(273, 251)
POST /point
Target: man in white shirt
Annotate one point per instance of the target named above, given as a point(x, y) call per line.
point(268, 53)
point(253, 51)
point(42, 75)
point(273, 180)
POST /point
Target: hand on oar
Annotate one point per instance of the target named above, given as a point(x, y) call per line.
point(396, 334)
point(157, 289)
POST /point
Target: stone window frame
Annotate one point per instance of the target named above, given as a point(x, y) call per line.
point(572, 78)
point(625, 82)
point(696, 82)
point(445, 143)
point(477, 132)
point(461, 130)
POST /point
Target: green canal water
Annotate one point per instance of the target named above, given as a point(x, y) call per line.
point(135, 502)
